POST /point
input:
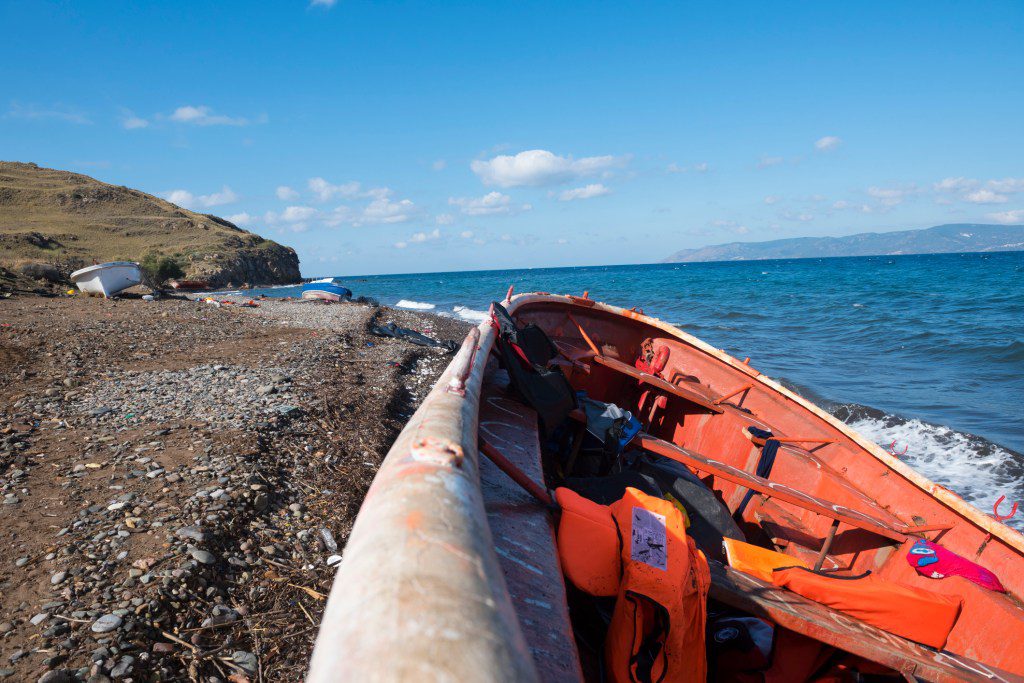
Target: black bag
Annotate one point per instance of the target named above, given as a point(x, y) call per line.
point(524, 354)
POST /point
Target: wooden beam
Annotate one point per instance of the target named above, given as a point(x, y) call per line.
point(776, 490)
point(658, 383)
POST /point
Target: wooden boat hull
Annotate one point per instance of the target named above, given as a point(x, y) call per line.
point(424, 588)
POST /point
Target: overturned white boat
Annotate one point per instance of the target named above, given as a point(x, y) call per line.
point(107, 279)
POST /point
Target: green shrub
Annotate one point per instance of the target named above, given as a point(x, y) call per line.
point(159, 269)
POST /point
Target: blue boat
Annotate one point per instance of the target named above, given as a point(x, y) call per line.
point(329, 289)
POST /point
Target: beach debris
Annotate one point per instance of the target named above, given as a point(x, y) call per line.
point(392, 330)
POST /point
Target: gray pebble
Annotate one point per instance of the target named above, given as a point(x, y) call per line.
point(202, 556)
point(106, 623)
point(246, 660)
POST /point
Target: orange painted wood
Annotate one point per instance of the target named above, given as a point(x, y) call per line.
point(771, 489)
point(657, 383)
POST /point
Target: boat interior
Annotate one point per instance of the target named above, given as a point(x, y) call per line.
point(828, 500)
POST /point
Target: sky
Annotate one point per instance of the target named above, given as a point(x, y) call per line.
point(389, 137)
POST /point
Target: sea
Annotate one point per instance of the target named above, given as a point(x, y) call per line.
point(924, 354)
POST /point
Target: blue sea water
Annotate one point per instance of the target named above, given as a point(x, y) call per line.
point(926, 350)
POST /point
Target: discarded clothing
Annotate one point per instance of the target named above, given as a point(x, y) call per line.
point(610, 424)
point(935, 562)
point(396, 332)
point(524, 353)
point(912, 613)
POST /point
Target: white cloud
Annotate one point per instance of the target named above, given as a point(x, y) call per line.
point(204, 116)
point(492, 203)
point(325, 191)
point(586, 192)
point(186, 199)
point(180, 197)
point(383, 210)
point(799, 217)
point(771, 199)
point(57, 113)
point(985, 197)
point(129, 121)
point(827, 143)
point(326, 4)
point(561, 240)
point(1008, 217)
point(241, 218)
point(296, 214)
point(401, 245)
point(843, 204)
point(702, 167)
point(286, 194)
point(444, 219)
point(955, 184)
point(538, 167)
point(421, 237)
point(888, 196)
point(295, 217)
point(1007, 185)
point(225, 196)
point(766, 162)
point(466, 234)
point(439, 165)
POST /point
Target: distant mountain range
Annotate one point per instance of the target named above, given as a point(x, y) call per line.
point(942, 239)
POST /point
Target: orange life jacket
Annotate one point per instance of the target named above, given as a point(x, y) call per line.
point(913, 613)
point(638, 550)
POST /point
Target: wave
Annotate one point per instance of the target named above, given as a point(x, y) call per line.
point(977, 469)
point(469, 314)
point(415, 305)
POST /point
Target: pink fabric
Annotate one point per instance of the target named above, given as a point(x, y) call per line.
point(935, 562)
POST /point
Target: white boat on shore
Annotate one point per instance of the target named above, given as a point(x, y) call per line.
point(107, 279)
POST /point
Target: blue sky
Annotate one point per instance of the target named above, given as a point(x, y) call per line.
point(405, 137)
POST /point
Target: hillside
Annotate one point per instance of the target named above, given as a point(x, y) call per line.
point(942, 239)
point(72, 220)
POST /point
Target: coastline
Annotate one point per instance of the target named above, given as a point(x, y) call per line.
point(169, 469)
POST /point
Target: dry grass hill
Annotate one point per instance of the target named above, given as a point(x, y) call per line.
point(71, 220)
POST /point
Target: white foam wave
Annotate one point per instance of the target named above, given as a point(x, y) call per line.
point(415, 305)
point(977, 470)
point(469, 314)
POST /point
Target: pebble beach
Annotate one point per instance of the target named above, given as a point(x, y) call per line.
point(178, 478)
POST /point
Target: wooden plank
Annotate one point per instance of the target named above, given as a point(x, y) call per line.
point(772, 489)
point(523, 532)
point(829, 626)
point(658, 383)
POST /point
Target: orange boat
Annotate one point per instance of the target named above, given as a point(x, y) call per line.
point(452, 570)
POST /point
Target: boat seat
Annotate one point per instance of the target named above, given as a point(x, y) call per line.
point(829, 626)
point(523, 531)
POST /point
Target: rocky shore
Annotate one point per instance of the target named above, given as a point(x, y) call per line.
point(178, 478)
